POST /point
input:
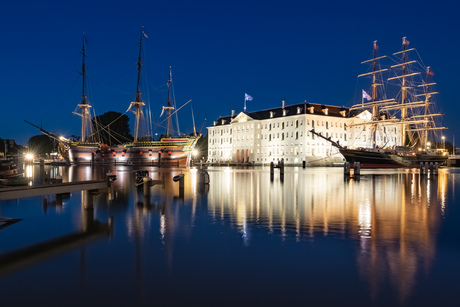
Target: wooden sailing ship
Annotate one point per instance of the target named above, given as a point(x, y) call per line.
point(412, 146)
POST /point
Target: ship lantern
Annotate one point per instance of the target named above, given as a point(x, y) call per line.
point(140, 152)
point(114, 153)
point(123, 153)
point(150, 153)
point(169, 152)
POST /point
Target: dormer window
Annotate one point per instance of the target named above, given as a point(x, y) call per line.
point(325, 111)
point(223, 121)
point(214, 123)
point(343, 113)
point(284, 112)
point(299, 109)
point(271, 114)
point(311, 109)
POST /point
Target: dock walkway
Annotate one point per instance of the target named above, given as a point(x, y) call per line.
point(54, 188)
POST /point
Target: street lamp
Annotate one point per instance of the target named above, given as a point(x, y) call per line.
point(443, 142)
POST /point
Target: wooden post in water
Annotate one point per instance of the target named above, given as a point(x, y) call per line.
point(180, 178)
point(357, 169)
point(281, 166)
point(421, 168)
point(346, 168)
point(272, 170)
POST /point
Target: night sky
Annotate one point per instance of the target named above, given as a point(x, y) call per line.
point(218, 50)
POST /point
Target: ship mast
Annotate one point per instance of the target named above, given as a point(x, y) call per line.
point(427, 103)
point(404, 90)
point(169, 106)
point(138, 103)
point(375, 111)
point(85, 114)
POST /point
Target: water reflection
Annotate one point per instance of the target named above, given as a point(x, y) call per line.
point(395, 217)
point(392, 219)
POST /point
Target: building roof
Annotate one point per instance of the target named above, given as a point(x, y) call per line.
point(318, 109)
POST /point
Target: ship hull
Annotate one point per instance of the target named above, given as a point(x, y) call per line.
point(389, 159)
point(166, 152)
point(81, 153)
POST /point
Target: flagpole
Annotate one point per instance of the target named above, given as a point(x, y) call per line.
point(244, 102)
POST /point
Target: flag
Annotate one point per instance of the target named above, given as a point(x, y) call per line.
point(247, 97)
point(366, 95)
point(145, 35)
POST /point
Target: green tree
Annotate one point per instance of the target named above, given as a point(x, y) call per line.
point(41, 145)
point(112, 128)
point(202, 148)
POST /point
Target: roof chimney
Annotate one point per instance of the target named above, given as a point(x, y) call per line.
point(233, 113)
point(283, 102)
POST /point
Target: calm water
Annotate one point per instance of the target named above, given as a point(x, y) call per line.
point(389, 239)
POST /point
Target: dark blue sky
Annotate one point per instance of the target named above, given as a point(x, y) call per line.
point(272, 50)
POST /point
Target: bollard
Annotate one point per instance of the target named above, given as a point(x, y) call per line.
point(346, 168)
point(180, 178)
point(304, 164)
point(357, 168)
point(281, 166)
point(272, 170)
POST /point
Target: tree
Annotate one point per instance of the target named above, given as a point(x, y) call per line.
point(41, 145)
point(112, 128)
point(202, 147)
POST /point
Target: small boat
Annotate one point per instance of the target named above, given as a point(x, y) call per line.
point(8, 169)
point(15, 181)
point(128, 163)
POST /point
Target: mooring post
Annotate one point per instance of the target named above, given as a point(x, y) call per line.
point(87, 199)
point(431, 167)
point(346, 168)
point(281, 166)
point(426, 168)
point(180, 178)
point(304, 164)
point(272, 170)
point(421, 168)
point(436, 166)
point(357, 168)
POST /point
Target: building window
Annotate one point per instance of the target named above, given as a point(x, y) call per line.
point(282, 136)
point(313, 124)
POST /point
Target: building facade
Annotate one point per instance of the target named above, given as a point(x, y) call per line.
point(284, 133)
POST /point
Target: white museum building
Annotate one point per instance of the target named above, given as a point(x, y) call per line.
point(284, 133)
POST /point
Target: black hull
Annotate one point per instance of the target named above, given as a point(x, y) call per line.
point(386, 159)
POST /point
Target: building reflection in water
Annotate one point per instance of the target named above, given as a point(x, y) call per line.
point(394, 217)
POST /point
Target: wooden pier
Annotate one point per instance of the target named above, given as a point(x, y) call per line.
point(54, 188)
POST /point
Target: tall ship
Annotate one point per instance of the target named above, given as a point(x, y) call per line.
point(410, 115)
point(170, 150)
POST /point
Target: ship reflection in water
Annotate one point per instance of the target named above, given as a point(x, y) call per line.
point(313, 238)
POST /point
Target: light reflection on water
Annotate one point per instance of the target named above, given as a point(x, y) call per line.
point(391, 220)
